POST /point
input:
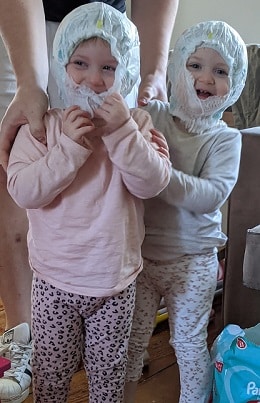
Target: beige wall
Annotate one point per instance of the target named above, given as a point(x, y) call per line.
point(243, 15)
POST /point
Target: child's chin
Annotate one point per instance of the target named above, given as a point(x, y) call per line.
point(204, 97)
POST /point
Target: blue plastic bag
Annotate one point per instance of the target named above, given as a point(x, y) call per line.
point(236, 358)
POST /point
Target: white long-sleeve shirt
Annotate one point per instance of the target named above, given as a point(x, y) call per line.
point(84, 207)
point(185, 218)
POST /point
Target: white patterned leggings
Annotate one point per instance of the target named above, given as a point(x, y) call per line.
point(187, 285)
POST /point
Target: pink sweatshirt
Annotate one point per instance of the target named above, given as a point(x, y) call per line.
point(84, 207)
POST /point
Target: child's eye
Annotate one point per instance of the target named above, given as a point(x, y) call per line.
point(194, 66)
point(109, 68)
point(79, 63)
point(221, 72)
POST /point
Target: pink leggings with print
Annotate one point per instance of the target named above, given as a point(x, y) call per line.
point(66, 327)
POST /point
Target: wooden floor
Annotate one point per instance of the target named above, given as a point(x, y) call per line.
point(160, 380)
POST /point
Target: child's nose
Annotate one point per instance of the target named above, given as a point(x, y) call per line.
point(207, 77)
point(95, 78)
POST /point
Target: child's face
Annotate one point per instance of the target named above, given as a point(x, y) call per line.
point(210, 73)
point(92, 65)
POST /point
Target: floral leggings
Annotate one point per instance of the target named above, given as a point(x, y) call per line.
point(66, 327)
point(187, 285)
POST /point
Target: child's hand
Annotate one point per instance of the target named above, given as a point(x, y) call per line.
point(77, 125)
point(114, 112)
point(159, 143)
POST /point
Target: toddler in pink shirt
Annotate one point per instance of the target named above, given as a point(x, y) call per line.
point(83, 194)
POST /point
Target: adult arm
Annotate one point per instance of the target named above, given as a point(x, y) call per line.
point(155, 21)
point(22, 26)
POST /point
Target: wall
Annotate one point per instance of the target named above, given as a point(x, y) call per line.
point(243, 15)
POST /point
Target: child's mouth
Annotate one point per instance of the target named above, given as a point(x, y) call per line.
point(203, 94)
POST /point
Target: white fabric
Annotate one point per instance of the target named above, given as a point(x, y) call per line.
point(199, 115)
point(103, 21)
point(8, 81)
point(55, 98)
point(83, 96)
point(188, 286)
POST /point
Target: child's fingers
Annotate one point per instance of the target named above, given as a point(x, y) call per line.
point(74, 111)
point(158, 138)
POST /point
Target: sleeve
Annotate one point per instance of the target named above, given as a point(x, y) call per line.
point(207, 192)
point(36, 174)
point(145, 171)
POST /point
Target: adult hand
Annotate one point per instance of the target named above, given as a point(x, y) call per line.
point(28, 106)
point(152, 86)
